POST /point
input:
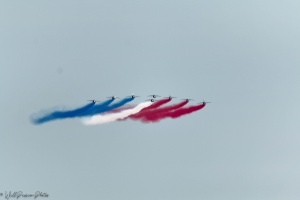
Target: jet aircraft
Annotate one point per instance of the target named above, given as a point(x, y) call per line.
point(204, 102)
point(154, 95)
point(113, 97)
point(133, 96)
point(170, 97)
point(94, 101)
point(152, 100)
point(187, 100)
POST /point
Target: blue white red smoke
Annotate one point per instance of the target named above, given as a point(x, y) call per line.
point(107, 111)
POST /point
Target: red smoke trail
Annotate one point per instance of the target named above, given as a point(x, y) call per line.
point(149, 109)
point(157, 113)
point(175, 114)
point(157, 104)
point(125, 107)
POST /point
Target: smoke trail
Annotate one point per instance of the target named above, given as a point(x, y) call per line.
point(101, 119)
point(96, 108)
point(105, 106)
point(175, 114)
point(125, 107)
point(157, 104)
point(160, 112)
point(38, 119)
point(118, 104)
point(88, 110)
point(147, 109)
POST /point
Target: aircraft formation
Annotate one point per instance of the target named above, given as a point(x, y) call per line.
point(153, 98)
point(151, 110)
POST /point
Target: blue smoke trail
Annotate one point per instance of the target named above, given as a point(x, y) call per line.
point(97, 109)
point(120, 103)
point(62, 114)
point(87, 110)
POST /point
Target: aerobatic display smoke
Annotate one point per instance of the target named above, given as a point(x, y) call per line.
point(157, 104)
point(97, 108)
point(105, 106)
point(146, 110)
point(106, 118)
point(109, 111)
point(42, 118)
point(125, 107)
point(115, 105)
point(174, 114)
point(88, 110)
point(161, 111)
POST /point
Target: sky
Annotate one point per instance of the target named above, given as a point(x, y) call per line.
point(243, 56)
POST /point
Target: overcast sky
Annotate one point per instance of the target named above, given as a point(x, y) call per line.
point(241, 55)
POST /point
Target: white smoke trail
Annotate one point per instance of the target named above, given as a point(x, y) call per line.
point(101, 119)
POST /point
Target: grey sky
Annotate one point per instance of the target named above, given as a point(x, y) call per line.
point(241, 55)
